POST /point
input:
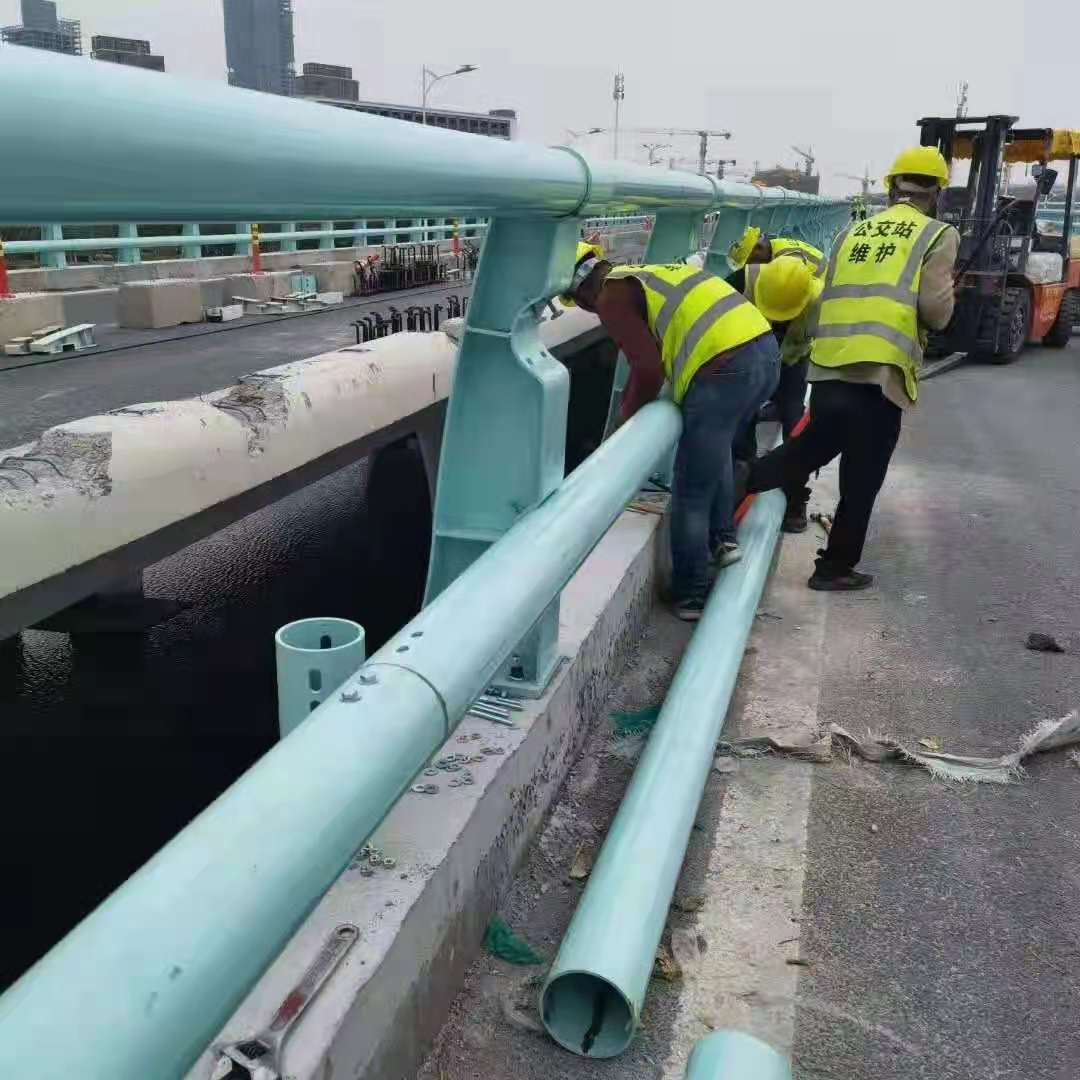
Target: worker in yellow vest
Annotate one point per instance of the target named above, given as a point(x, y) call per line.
point(889, 279)
point(785, 290)
point(688, 327)
point(755, 247)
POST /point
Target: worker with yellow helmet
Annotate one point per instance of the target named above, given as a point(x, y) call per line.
point(785, 290)
point(755, 247)
point(888, 280)
point(688, 327)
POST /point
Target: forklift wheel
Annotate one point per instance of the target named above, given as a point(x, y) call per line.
point(1015, 318)
point(1060, 333)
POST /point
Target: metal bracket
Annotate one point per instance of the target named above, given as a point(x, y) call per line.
point(505, 436)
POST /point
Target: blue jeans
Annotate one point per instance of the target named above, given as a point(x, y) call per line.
point(718, 409)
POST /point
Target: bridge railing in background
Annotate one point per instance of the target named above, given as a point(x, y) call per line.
point(146, 981)
point(52, 247)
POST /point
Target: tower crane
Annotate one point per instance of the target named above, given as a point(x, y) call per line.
point(808, 157)
point(866, 180)
point(703, 135)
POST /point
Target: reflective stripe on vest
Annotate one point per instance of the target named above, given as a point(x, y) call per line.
point(869, 308)
point(783, 245)
point(694, 316)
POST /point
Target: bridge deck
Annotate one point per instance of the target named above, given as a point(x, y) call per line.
point(929, 917)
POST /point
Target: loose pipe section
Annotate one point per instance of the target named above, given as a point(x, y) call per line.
point(591, 1002)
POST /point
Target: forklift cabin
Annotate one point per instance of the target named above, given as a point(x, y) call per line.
point(1015, 283)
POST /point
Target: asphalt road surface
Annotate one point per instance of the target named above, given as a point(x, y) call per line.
point(181, 362)
point(869, 921)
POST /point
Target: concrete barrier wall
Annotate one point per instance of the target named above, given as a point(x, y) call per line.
point(97, 499)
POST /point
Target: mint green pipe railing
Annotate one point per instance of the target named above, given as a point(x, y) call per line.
point(55, 241)
point(734, 1055)
point(592, 999)
point(140, 987)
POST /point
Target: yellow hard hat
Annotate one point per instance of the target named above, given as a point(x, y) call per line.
point(584, 251)
point(920, 161)
point(740, 251)
point(784, 287)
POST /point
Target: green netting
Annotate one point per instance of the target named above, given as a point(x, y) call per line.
point(502, 942)
point(635, 723)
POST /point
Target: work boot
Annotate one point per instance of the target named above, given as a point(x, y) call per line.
point(726, 553)
point(830, 577)
point(849, 581)
point(795, 514)
point(691, 609)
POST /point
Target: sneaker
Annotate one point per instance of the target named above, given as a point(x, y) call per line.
point(691, 609)
point(849, 581)
point(726, 554)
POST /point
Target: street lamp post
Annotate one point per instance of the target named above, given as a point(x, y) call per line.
point(429, 78)
point(618, 94)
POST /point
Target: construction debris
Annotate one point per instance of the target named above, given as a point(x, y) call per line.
point(50, 340)
point(582, 864)
point(1004, 769)
point(665, 966)
point(1042, 643)
point(502, 942)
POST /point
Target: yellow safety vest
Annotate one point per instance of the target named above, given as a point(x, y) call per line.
point(795, 345)
point(694, 316)
point(869, 309)
point(784, 245)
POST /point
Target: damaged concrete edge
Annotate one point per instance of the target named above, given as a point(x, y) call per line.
point(455, 853)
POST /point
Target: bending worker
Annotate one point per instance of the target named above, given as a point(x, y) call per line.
point(754, 247)
point(786, 290)
point(718, 353)
point(889, 279)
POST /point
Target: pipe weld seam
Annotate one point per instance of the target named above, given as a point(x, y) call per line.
point(587, 194)
point(426, 681)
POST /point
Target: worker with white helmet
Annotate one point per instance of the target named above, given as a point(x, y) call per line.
point(786, 290)
point(889, 280)
point(717, 351)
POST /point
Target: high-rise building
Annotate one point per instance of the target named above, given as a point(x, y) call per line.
point(327, 82)
point(496, 123)
point(259, 44)
point(131, 51)
point(42, 28)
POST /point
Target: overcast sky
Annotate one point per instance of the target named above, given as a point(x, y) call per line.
point(846, 78)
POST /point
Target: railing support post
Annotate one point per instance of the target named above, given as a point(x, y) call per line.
point(128, 254)
point(505, 438)
point(52, 260)
point(243, 247)
point(326, 242)
point(192, 249)
point(288, 245)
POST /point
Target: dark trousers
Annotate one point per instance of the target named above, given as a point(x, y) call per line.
point(790, 395)
point(861, 425)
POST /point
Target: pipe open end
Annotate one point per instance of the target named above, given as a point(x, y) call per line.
point(587, 1015)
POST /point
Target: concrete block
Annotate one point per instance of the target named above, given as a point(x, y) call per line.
point(225, 313)
point(212, 291)
point(145, 304)
point(336, 277)
point(27, 312)
point(99, 306)
point(257, 286)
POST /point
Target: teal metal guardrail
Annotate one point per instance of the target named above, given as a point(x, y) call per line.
point(53, 246)
point(146, 980)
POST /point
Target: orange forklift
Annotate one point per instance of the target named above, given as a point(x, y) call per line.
point(1017, 282)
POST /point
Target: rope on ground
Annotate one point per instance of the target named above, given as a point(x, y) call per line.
point(1006, 768)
